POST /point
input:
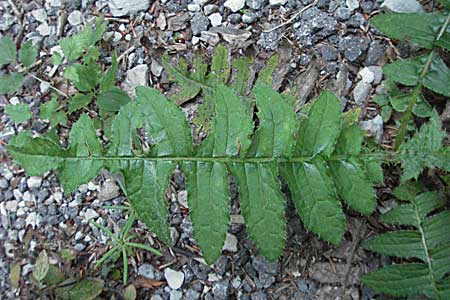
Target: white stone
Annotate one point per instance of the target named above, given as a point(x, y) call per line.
point(277, 2)
point(377, 74)
point(234, 5)
point(40, 15)
point(193, 7)
point(11, 206)
point(215, 19)
point(90, 214)
point(366, 75)
point(58, 196)
point(174, 278)
point(175, 295)
point(43, 29)
point(28, 197)
point(17, 195)
point(352, 4)
point(75, 18)
point(92, 186)
point(195, 40)
point(121, 8)
point(230, 243)
point(374, 127)
point(156, 68)
point(361, 92)
point(34, 182)
point(402, 6)
point(78, 235)
point(138, 76)
point(182, 198)
point(33, 219)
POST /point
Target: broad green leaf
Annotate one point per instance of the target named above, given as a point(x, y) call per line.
point(231, 129)
point(83, 143)
point(241, 75)
point(423, 150)
point(130, 292)
point(314, 196)
point(374, 170)
point(220, 68)
point(19, 113)
point(112, 100)
point(408, 190)
point(8, 51)
point(444, 41)
point(446, 3)
point(209, 205)
point(438, 76)
point(74, 46)
point(275, 134)
point(188, 87)
point(420, 29)
point(87, 289)
point(422, 109)
point(88, 76)
point(10, 83)
point(91, 55)
point(54, 276)
point(353, 185)
point(320, 129)
point(400, 280)
point(405, 71)
point(262, 205)
point(107, 80)
point(41, 266)
point(80, 101)
point(27, 54)
point(265, 75)
point(349, 141)
point(56, 58)
point(49, 111)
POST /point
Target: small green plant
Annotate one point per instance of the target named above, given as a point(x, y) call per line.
point(121, 245)
point(427, 30)
point(423, 239)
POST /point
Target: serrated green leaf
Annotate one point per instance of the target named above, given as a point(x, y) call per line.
point(54, 276)
point(374, 170)
point(27, 54)
point(241, 75)
point(444, 41)
point(446, 3)
point(423, 150)
point(10, 83)
point(399, 243)
point(41, 266)
point(422, 109)
point(56, 58)
point(220, 68)
point(265, 75)
point(320, 129)
point(408, 190)
point(48, 111)
point(405, 71)
point(80, 101)
point(8, 51)
point(74, 46)
point(107, 81)
point(438, 76)
point(262, 205)
point(112, 100)
point(420, 29)
point(19, 113)
point(314, 196)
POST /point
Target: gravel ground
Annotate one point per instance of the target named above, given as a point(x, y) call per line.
point(329, 45)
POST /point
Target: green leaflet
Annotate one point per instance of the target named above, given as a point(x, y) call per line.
point(19, 113)
point(27, 54)
point(49, 111)
point(241, 75)
point(8, 51)
point(254, 158)
point(420, 29)
point(220, 68)
point(429, 243)
point(10, 83)
point(424, 149)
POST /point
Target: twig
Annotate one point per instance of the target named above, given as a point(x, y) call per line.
point(293, 17)
point(128, 51)
point(49, 85)
point(15, 9)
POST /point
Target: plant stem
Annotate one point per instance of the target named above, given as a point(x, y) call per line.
point(417, 90)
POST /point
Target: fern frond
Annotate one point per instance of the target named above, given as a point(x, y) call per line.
point(428, 243)
point(320, 160)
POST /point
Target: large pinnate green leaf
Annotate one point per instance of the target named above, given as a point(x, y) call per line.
point(420, 29)
point(424, 150)
point(429, 243)
point(256, 159)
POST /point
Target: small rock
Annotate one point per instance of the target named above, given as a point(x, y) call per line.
point(174, 278)
point(90, 214)
point(249, 18)
point(79, 247)
point(210, 9)
point(147, 270)
point(40, 15)
point(121, 8)
point(263, 266)
point(215, 19)
point(256, 4)
point(366, 75)
point(234, 5)
point(234, 18)
point(260, 295)
point(178, 22)
point(343, 13)
point(328, 52)
point(3, 183)
point(43, 29)
point(374, 54)
point(135, 77)
point(361, 92)
point(352, 4)
point(33, 219)
point(402, 6)
point(34, 182)
point(175, 295)
point(156, 297)
point(11, 206)
point(231, 35)
point(230, 243)
point(75, 18)
point(193, 7)
point(377, 74)
point(374, 127)
point(109, 190)
point(353, 47)
point(277, 2)
point(221, 289)
point(199, 23)
point(156, 68)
